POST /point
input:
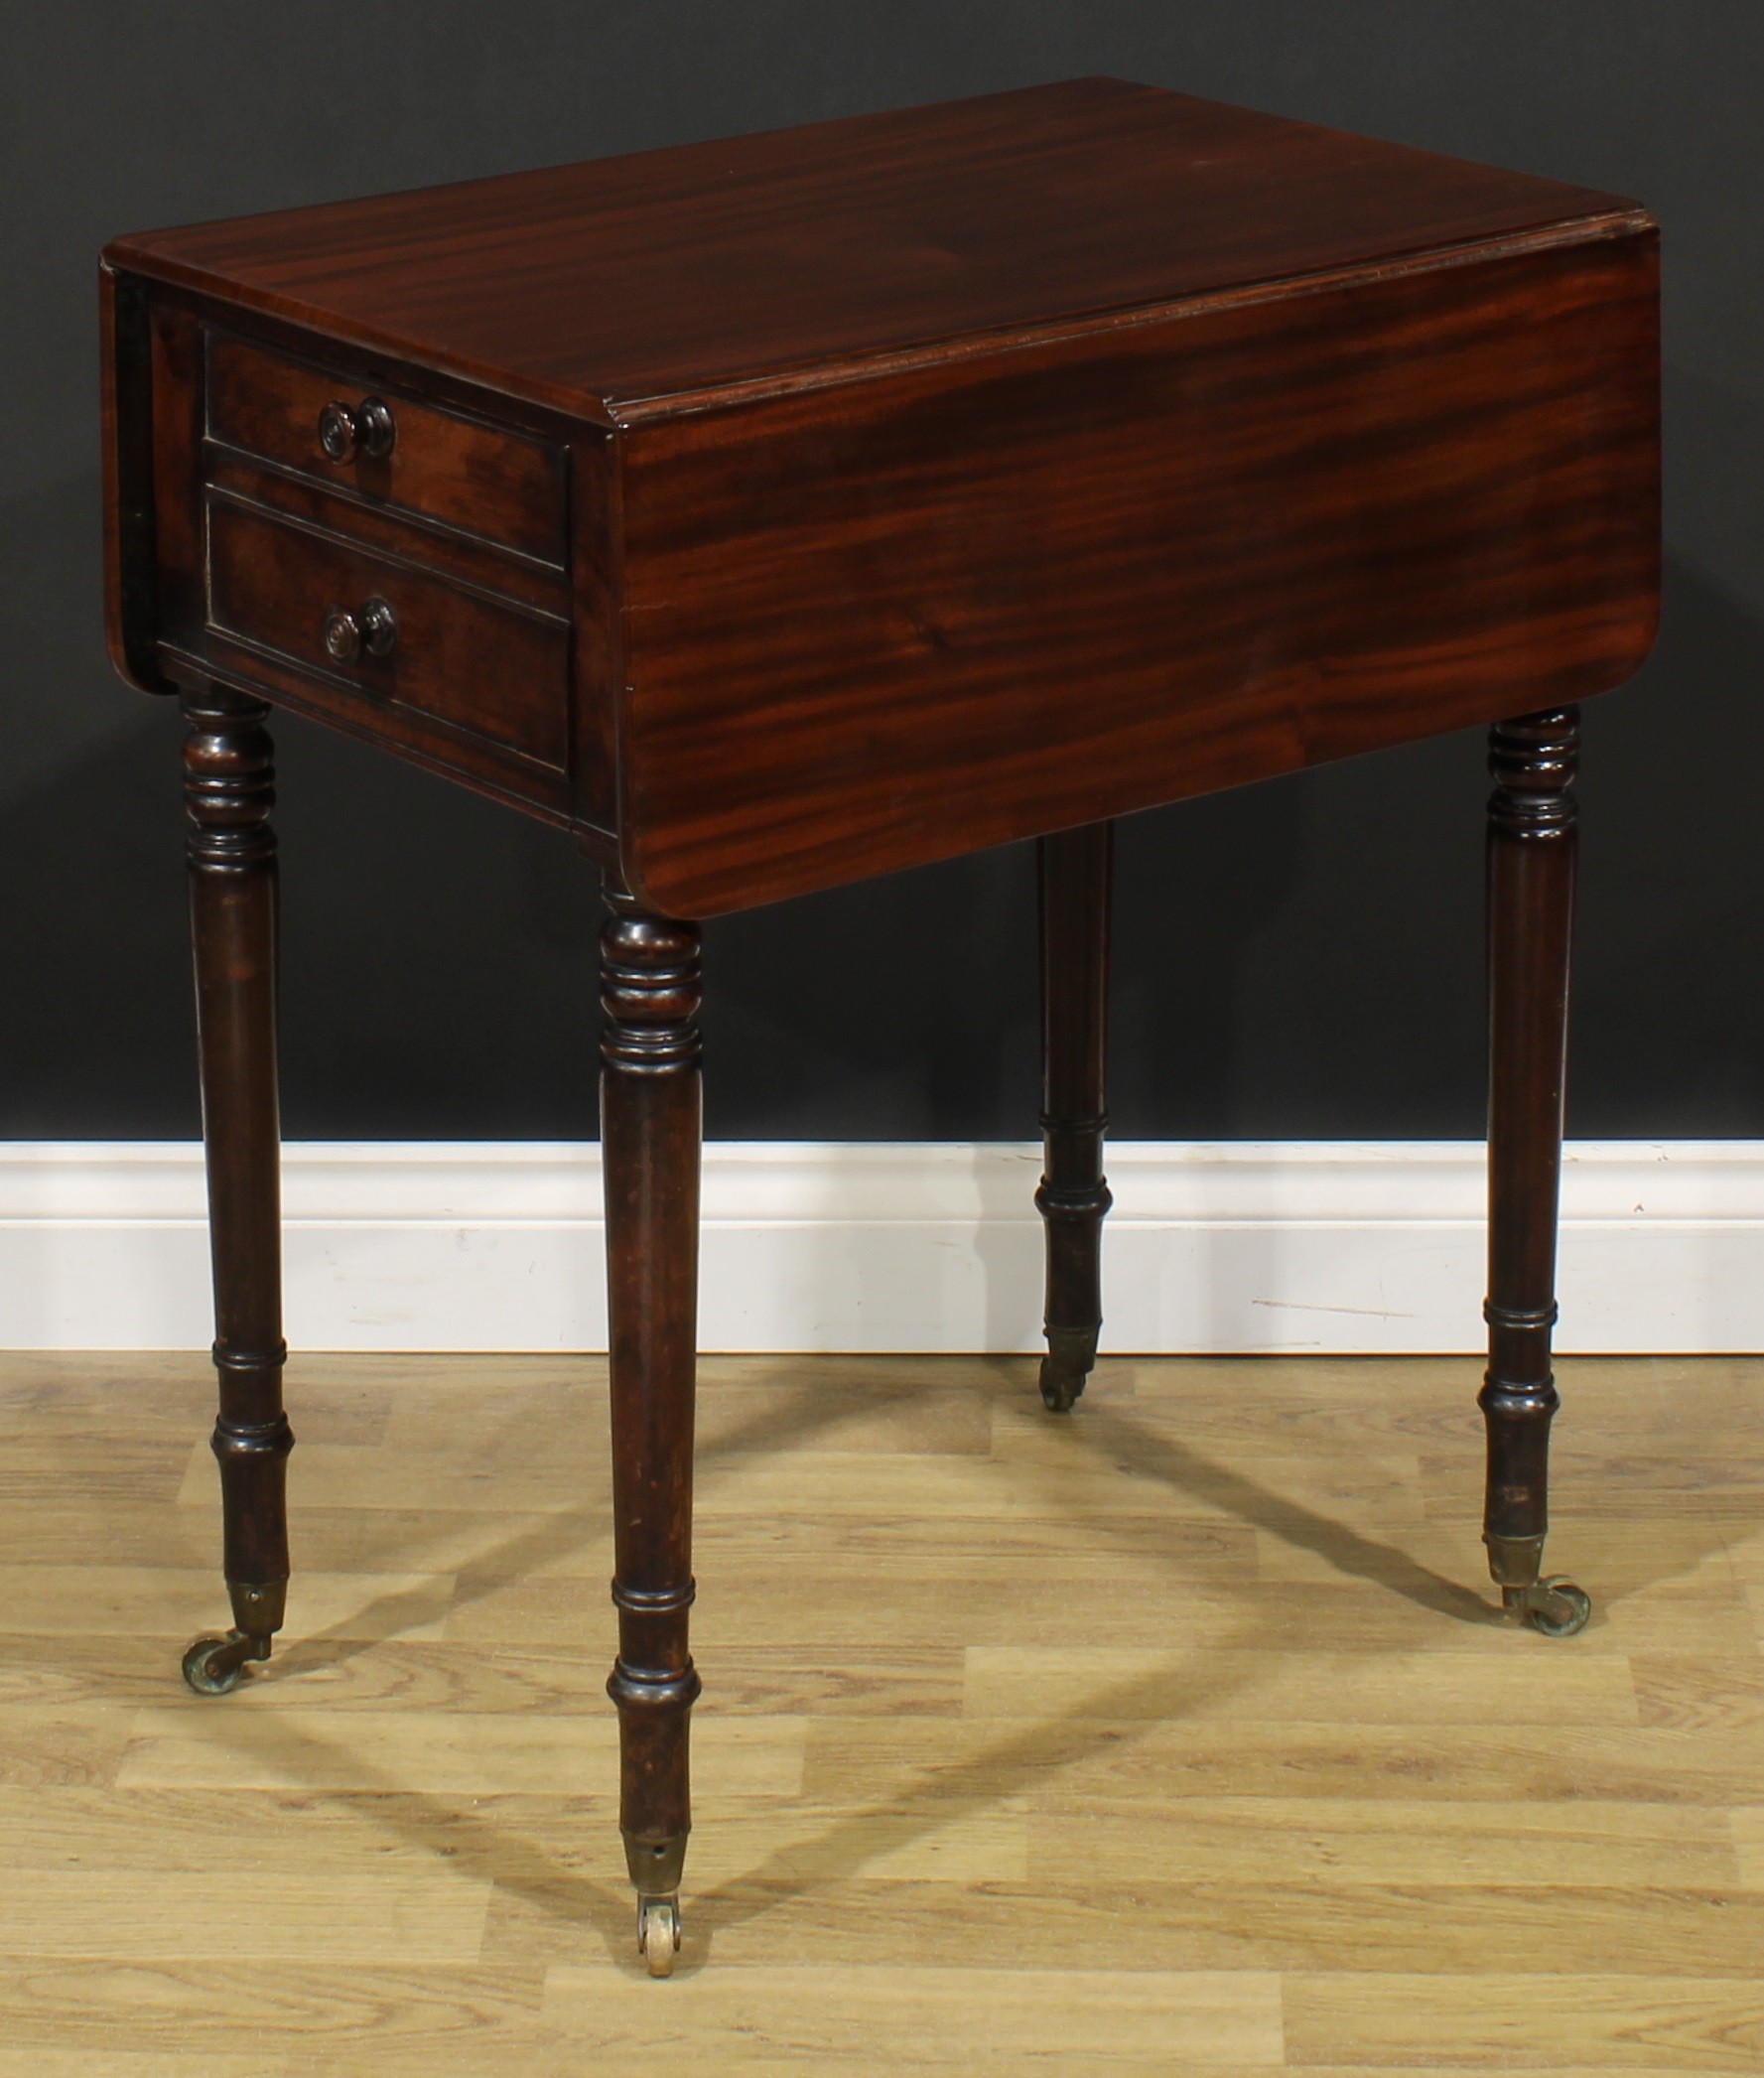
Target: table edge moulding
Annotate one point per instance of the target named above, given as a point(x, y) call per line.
point(778, 511)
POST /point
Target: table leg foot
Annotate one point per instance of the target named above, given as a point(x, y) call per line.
point(1070, 1359)
point(655, 1868)
point(1553, 1605)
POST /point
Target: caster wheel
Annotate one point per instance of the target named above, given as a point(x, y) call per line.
point(212, 1666)
point(1557, 1608)
point(658, 1933)
point(1060, 1385)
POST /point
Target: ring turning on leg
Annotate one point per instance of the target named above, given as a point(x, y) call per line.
point(228, 792)
point(1531, 890)
point(1075, 871)
point(651, 1134)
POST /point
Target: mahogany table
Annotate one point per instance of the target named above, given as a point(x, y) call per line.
point(776, 513)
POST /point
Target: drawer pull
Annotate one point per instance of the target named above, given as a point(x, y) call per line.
point(372, 632)
point(367, 430)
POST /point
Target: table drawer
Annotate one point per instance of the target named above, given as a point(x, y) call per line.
point(484, 479)
point(396, 633)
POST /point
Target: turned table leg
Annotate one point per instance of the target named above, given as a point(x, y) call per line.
point(1075, 871)
point(650, 1131)
point(228, 792)
point(1531, 897)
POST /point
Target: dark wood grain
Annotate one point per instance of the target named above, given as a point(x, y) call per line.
point(650, 1128)
point(874, 626)
point(1532, 843)
point(444, 551)
point(126, 437)
point(597, 286)
point(178, 580)
point(597, 575)
point(228, 791)
point(1074, 873)
point(462, 655)
point(480, 478)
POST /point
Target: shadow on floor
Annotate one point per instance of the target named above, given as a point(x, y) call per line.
point(936, 1796)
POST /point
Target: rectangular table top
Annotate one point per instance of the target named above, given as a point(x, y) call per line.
point(612, 286)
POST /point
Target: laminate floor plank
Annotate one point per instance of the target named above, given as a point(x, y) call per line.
point(412, 1914)
point(857, 1756)
point(268, 1746)
point(43, 1532)
point(1256, 1682)
point(928, 1548)
point(319, 2015)
point(1701, 1691)
point(1503, 2021)
point(1279, 1923)
point(1357, 1840)
point(176, 1601)
point(276, 1830)
point(949, 2018)
point(60, 1743)
point(1183, 1733)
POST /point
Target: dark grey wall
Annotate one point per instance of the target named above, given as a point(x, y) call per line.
point(1302, 958)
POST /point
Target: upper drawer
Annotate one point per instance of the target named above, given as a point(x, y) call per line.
point(505, 486)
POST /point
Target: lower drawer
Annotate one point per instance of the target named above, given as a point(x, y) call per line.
point(393, 631)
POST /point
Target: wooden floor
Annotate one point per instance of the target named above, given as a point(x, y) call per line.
point(1176, 1736)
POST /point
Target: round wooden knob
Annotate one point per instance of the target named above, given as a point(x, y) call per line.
point(370, 428)
point(371, 632)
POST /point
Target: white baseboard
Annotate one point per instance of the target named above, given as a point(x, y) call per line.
point(1305, 1246)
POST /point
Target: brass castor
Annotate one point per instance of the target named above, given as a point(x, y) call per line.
point(1071, 1353)
point(658, 1933)
point(1555, 1606)
point(1060, 1385)
point(212, 1666)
